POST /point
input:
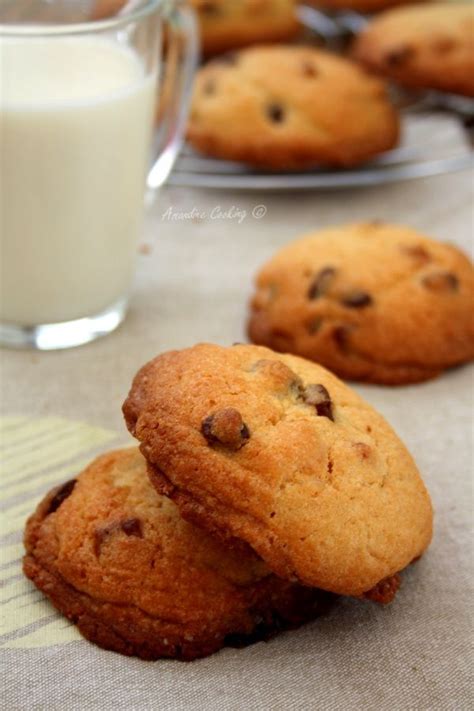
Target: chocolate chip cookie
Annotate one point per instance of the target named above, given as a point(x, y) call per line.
point(373, 302)
point(119, 561)
point(422, 47)
point(290, 108)
point(276, 451)
point(227, 25)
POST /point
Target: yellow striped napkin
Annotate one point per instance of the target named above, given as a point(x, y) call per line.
point(35, 455)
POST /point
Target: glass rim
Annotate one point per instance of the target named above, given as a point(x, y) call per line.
point(32, 29)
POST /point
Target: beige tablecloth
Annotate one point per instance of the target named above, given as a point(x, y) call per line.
point(193, 282)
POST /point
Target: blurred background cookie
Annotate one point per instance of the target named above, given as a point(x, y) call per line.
point(227, 24)
point(357, 5)
point(422, 46)
point(374, 302)
point(118, 560)
point(290, 107)
point(106, 8)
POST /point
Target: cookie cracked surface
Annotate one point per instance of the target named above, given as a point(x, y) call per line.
point(119, 561)
point(290, 107)
point(322, 488)
point(373, 302)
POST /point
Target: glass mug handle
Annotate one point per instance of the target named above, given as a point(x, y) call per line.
point(180, 63)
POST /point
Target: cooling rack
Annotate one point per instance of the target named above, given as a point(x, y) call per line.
point(435, 136)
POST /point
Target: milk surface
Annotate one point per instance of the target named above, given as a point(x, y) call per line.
point(75, 125)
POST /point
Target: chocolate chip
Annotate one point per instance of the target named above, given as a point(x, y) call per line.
point(385, 590)
point(296, 387)
point(309, 70)
point(226, 427)
point(441, 281)
point(321, 282)
point(340, 335)
point(208, 8)
point(275, 113)
point(314, 325)
point(100, 534)
point(318, 397)
point(61, 495)
point(417, 252)
point(357, 299)
point(206, 428)
point(399, 56)
point(129, 526)
point(132, 527)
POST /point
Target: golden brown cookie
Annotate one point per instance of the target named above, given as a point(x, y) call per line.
point(422, 46)
point(119, 561)
point(226, 25)
point(290, 108)
point(278, 452)
point(374, 302)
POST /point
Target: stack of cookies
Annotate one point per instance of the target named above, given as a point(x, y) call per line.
point(263, 488)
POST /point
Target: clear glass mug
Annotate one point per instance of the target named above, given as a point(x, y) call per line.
point(78, 102)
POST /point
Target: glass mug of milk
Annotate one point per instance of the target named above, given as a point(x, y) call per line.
point(77, 109)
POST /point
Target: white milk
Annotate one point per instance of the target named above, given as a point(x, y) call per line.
point(75, 125)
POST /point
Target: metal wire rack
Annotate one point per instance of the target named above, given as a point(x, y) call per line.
point(435, 136)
